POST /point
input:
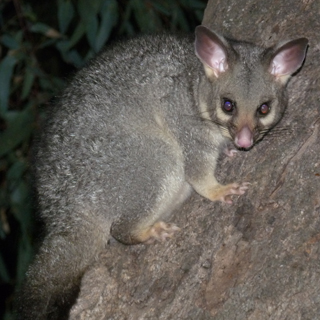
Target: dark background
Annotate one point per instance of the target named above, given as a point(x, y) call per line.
point(41, 44)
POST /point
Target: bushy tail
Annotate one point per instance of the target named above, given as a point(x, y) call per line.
point(52, 281)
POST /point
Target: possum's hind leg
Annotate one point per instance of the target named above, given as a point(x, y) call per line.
point(150, 226)
point(145, 221)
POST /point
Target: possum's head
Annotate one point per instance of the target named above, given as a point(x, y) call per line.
point(247, 95)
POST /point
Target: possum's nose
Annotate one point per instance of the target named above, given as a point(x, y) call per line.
point(244, 138)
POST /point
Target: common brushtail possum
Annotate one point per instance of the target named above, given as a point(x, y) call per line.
point(133, 134)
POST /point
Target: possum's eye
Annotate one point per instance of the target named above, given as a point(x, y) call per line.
point(228, 105)
point(264, 109)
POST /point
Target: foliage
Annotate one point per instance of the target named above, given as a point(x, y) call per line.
point(40, 43)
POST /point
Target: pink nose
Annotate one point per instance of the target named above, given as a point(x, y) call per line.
point(244, 138)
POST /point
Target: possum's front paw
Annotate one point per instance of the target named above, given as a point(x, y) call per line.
point(161, 231)
point(223, 193)
point(230, 152)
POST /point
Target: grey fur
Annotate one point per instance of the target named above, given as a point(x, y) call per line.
point(134, 132)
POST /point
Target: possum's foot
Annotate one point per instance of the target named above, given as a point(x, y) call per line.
point(223, 193)
point(161, 231)
point(230, 152)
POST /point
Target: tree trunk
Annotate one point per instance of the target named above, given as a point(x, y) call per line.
point(260, 257)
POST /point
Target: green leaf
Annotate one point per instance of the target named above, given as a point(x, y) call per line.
point(88, 8)
point(27, 82)
point(10, 42)
point(109, 17)
point(19, 198)
point(65, 14)
point(88, 12)
point(40, 27)
point(44, 29)
point(64, 45)
point(75, 58)
point(6, 69)
point(19, 128)
point(16, 171)
point(90, 54)
point(19, 35)
point(92, 30)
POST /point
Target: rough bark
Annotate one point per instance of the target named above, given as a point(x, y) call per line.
point(260, 257)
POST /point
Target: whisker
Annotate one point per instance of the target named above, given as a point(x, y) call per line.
point(283, 128)
point(281, 131)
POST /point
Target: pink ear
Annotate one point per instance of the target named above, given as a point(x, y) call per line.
point(288, 58)
point(211, 50)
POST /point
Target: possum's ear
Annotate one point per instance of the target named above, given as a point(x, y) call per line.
point(288, 58)
point(211, 49)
